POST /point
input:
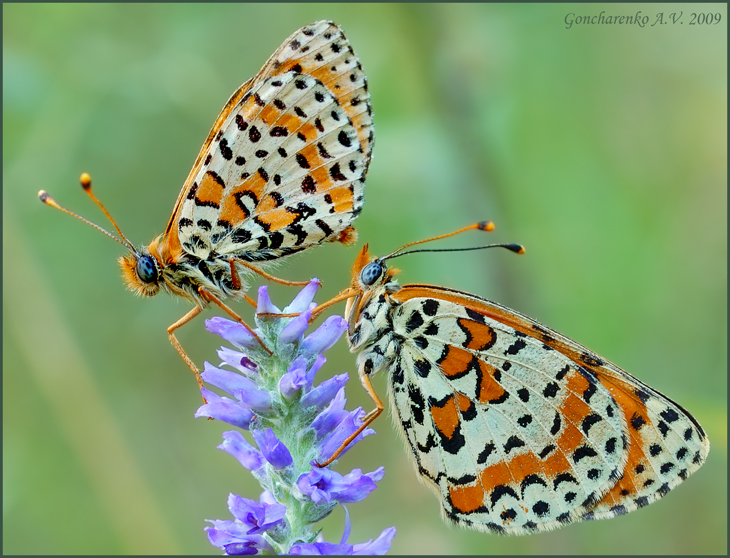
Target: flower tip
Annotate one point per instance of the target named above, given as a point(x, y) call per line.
point(324, 336)
point(264, 304)
point(275, 452)
point(304, 298)
point(294, 330)
point(231, 331)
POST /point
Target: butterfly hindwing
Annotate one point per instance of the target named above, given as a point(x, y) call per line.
point(519, 428)
point(283, 170)
point(515, 444)
point(322, 51)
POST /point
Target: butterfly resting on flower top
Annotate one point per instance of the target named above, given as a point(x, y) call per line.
point(282, 170)
point(517, 428)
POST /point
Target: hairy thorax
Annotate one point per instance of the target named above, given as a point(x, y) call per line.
point(372, 336)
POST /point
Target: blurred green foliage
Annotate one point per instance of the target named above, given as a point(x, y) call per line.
point(601, 148)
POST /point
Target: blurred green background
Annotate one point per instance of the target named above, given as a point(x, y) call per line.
point(601, 148)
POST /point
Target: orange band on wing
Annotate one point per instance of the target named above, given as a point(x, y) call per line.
point(310, 133)
point(466, 499)
point(635, 413)
point(250, 109)
point(246, 195)
point(446, 418)
point(488, 389)
point(455, 361)
point(341, 198)
point(277, 219)
point(210, 189)
point(269, 114)
point(268, 203)
point(481, 335)
point(322, 180)
point(463, 403)
point(309, 153)
point(290, 122)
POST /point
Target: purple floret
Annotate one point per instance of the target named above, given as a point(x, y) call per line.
point(275, 452)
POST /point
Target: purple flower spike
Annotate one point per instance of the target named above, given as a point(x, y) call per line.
point(274, 451)
point(294, 330)
point(324, 392)
point(325, 336)
point(294, 424)
point(225, 409)
point(325, 485)
point(305, 297)
point(264, 304)
point(232, 331)
point(238, 360)
point(347, 426)
point(235, 444)
point(227, 380)
point(257, 517)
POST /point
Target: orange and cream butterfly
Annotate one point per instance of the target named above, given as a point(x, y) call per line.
point(516, 427)
point(281, 171)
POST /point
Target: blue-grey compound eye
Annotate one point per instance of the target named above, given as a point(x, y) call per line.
point(371, 273)
point(146, 269)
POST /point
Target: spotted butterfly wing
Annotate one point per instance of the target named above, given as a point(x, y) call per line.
point(522, 429)
point(517, 428)
point(283, 168)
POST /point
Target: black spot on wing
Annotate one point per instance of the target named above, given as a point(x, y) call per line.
point(324, 227)
point(513, 442)
point(474, 315)
point(414, 321)
point(422, 367)
point(502, 490)
point(418, 404)
point(516, 347)
point(430, 306)
point(485, 453)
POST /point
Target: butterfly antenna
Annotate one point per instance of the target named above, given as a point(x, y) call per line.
point(86, 183)
point(482, 226)
point(516, 248)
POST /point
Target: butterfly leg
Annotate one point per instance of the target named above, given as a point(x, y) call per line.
point(207, 295)
point(317, 311)
point(175, 343)
point(237, 279)
point(370, 417)
point(344, 295)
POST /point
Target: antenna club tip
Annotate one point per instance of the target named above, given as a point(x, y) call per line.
point(516, 248)
point(85, 181)
point(43, 196)
point(486, 226)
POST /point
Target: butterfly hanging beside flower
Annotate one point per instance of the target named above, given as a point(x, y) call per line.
point(517, 428)
point(282, 170)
